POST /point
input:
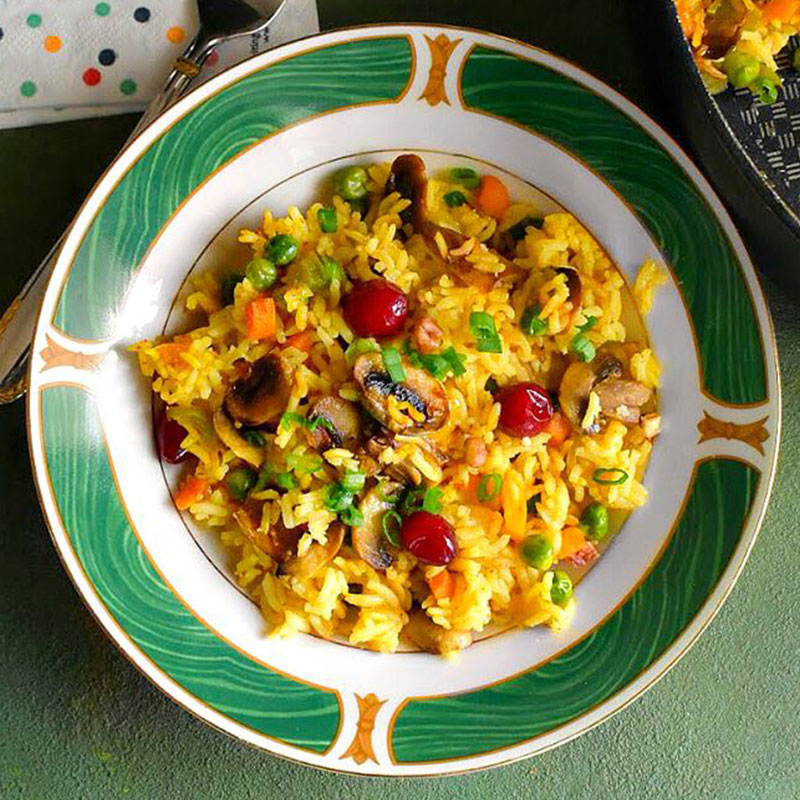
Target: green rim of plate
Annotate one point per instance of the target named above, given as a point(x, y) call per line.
point(716, 294)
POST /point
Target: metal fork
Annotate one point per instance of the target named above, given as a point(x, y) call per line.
point(220, 20)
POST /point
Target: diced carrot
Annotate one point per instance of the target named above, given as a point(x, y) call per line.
point(442, 585)
point(261, 318)
point(515, 511)
point(781, 10)
point(302, 341)
point(190, 491)
point(559, 428)
point(171, 352)
point(573, 539)
point(492, 197)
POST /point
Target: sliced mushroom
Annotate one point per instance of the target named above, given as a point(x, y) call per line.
point(421, 401)
point(368, 540)
point(403, 470)
point(575, 289)
point(408, 179)
point(723, 26)
point(278, 541)
point(261, 395)
point(318, 556)
point(622, 399)
point(340, 424)
point(426, 635)
point(234, 440)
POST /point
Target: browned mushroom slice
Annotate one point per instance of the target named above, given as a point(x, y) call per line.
point(234, 440)
point(403, 471)
point(318, 556)
point(578, 382)
point(408, 179)
point(417, 403)
point(622, 399)
point(279, 542)
point(339, 424)
point(422, 632)
point(575, 289)
point(723, 26)
point(368, 540)
point(261, 395)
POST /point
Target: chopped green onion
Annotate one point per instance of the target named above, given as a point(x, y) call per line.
point(466, 176)
point(491, 385)
point(358, 347)
point(414, 358)
point(531, 323)
point(265, 477)
point(240, 482)
point(412, 501)
point(456, 361)
point(489, 487)
point(484, 331)
point(766, 89)
point(352, 516)
point(454, 199)
point(611, 476)
point(327, 220)
point(436, 364)
point(354, 481)
point(303, 463)
point(431, 502)
point(582, 347)
point(254, 438)
point(286, 481)
point(228, 285)
point(331, 270)
point(387, 498)
point(320, 421)
point(588, 325)
point(518, 230)
point(391, 523)
point(290, 418)
point(338, 498)
point(393, 364)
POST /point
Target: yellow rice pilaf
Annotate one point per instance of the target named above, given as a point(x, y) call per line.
point(490, 585)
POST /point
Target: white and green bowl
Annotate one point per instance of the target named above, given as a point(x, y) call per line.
point(265, 134)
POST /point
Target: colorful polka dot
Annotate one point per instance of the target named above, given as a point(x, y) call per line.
point(128, 86)
point(107, 57)
point(212, 59)
point(102, 9)
point(92, 76)
point(142, 14)
point(52, 43)
point(27, 88)
point(34, 20)
point(176, 34)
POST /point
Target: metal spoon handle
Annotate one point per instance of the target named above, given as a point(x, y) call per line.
point(18, 323)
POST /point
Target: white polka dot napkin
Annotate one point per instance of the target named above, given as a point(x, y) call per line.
point(65, 59)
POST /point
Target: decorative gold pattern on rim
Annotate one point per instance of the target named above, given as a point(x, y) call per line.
point(56, 355)
point(752, 433)
point(441, 50)
point(361, 749)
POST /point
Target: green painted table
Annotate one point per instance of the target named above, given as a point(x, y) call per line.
point(78, 721)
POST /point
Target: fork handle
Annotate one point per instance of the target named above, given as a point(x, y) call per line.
point(18, 323)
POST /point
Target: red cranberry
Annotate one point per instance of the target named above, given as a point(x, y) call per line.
point(525, 409)
point(375, 308)
point(169, 435)
point(430, 538)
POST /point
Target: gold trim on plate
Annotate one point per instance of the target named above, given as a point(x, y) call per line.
point(56, 355)
point(361, 748)
point(441, 50)
point(752, 433)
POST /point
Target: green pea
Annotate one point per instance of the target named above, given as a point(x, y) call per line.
point(466, 176)
point(741, 68)
point(454, 199)
point(595, 521)
point(261, 273)
point(536, 551)
point(328, 223)
point(228, 285)
point(350, 183)
point(561, 590)
point(282, 249)
point(240, 482)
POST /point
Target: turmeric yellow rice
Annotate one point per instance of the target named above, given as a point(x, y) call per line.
point(419, 414)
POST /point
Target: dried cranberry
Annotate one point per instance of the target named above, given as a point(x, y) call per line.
point(169, 436)
point(525, 409)
point(430, 538)
point(375, 308)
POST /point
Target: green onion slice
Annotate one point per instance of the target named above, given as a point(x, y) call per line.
point(391, 523)
point(358, 347)
point(354, 481)
point(531, 323)
point(456, 361)
point(610, 476)
point(290, 418)
point(431, 502)
point(394, 364)
point(484, 331)
point(466, 176)
point(583, 347)
point(489, 487)
point(454, 199)
point(285, 480)
point(588, 325)
point(352, 516)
